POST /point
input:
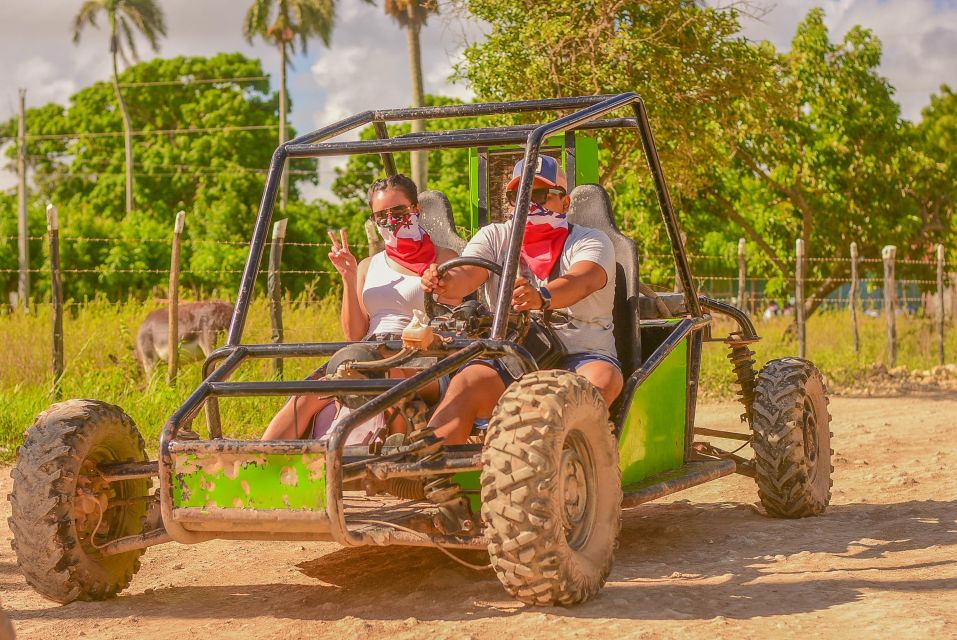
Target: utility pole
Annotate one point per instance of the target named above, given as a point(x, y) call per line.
point(23, 244)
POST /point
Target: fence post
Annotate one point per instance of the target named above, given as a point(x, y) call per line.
point(940, 302)
point(56, 290)
point(889, 253)
point(742, 277)
point(852, 302)
point(799, 298)
point(953, 297)
point(23, 229)
point(274, 286)
point(172, 341)
point(372, 237)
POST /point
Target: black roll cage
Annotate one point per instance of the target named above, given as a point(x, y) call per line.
point(588, 112)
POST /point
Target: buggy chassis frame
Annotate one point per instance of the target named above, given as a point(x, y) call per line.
point(588, 113)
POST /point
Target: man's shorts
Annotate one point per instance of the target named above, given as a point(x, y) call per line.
point(573, 363)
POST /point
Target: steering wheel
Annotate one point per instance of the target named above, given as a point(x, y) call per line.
point(464, 261)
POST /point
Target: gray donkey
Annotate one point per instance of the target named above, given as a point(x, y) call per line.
point(200, 324)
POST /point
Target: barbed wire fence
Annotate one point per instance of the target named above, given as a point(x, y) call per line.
point(931, 292)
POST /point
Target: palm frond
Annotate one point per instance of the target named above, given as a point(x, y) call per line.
point(257, 19)
point(126, 35)
point(148, 18)
point(86, 16)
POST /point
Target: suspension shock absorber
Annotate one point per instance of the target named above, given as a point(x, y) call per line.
point(742, 361)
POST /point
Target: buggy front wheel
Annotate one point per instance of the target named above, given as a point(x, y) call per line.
point(64, 511)
point(791, 439)
point(551, 489)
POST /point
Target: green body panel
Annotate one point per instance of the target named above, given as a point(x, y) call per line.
point(470, 480)
point(250, 481)
point(653, 436)
point(586, 166)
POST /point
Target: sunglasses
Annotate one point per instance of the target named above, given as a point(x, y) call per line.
point(539, 196)
point(393, 216)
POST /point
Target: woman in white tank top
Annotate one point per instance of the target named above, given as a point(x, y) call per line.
point(379, 293)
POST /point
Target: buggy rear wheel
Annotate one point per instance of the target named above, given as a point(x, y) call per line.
point(63, 510)
point(792, 439)
point(551, 489)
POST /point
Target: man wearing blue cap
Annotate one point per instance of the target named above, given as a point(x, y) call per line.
point(584, 288)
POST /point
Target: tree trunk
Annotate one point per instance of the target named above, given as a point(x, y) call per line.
point(127, 128)
point(284, 183)
point(420, 159)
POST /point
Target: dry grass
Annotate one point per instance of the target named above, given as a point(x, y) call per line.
point(100, 363)
point(830, 345)
point(98, 340)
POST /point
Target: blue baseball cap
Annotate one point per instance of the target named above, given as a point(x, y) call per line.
point(546, 173)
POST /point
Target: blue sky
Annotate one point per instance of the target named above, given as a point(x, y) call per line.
point(366, 66)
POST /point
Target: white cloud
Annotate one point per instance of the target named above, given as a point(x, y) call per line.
point(372, 70)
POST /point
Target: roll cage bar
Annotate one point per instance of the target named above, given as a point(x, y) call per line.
point(589, 110)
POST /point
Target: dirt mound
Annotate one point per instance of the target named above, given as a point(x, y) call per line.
point(878, 380)
point(700, 565)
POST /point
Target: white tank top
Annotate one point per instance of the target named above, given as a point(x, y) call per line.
point(389, 297)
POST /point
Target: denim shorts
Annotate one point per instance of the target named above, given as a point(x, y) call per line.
point(572, 363)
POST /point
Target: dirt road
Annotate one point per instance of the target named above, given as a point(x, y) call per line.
point(704, 564)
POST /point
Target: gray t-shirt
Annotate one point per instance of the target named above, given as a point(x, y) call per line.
point(590, 329)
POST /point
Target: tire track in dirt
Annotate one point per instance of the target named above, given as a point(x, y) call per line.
point(703, 564)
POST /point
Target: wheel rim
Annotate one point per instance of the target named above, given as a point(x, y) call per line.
point(91, 489)
point(810, 437)
point(577, 490)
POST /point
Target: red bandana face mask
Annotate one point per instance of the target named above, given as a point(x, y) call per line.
point(407, 243)
point(545, 235)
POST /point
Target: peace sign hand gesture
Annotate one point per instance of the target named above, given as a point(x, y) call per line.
point(342, 259)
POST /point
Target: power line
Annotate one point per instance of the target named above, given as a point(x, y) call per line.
point(147, 132)
point(186, 83)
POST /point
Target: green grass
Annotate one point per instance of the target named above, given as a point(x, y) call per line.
point(100, 364)
point(98, 340)
point(830, 345)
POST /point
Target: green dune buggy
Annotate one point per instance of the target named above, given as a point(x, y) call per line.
point(542, 490)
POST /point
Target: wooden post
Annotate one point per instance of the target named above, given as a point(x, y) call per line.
point(953, 297)
point(23, 229)
point(889, 253)
point(799, 299)
point(373, 238)
point(274, 286)
point(940, 303)
point(172, 357)
point(742, 277)
point(56, 290)
point(852, 302)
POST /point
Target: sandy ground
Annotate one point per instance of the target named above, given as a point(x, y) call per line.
point(882, 563)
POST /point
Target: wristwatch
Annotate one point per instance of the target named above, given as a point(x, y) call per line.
point(546, 298)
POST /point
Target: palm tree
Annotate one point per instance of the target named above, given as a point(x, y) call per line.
point(124, 17)
point(411, 16)
point(294, 18)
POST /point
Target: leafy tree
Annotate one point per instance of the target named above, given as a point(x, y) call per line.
point(412, 15)
point(830, 166)
point(686, 60)
point(302, 19)
point(933, 184)
point(124, 16)
point(205, 149)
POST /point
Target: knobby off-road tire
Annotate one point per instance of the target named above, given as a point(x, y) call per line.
point(551, 489)
point(56, 544)
point(792, 439)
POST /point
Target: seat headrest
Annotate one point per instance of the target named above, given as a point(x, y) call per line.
point(437, 220)
point(591, 207)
